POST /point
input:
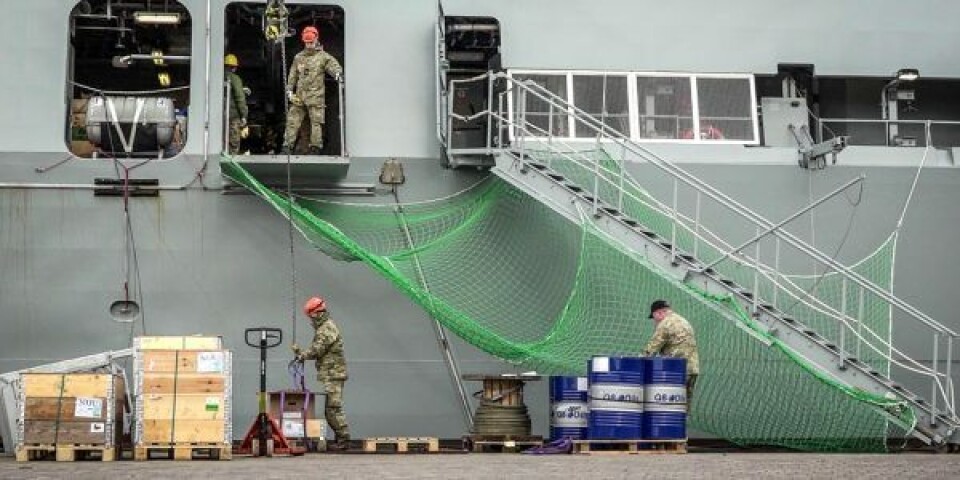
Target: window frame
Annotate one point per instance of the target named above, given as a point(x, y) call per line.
point(633, 105)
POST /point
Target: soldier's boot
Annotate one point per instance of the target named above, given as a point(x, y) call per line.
point(314, 149)
point(340, 443)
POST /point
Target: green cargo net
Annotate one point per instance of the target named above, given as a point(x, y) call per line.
point(513, 278)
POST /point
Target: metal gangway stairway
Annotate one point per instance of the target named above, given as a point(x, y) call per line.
point(602, 194)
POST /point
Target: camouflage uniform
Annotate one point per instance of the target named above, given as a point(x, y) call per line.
point(238, 110)
point(327, 350)
point(674, 337)
point(306, 82)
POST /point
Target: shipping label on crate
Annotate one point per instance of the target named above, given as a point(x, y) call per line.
point(210, 362)
point(88, 408)
point(212, 404)
point(293, 428)
point(98, 428)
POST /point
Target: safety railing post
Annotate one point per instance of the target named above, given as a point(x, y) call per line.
point(623, 167)
point(550, 127)
point(928, 134)
point(860, 323)
point(949, 371)
point(489, 117)
point(500, 114)
point(673, 227)
point(343, 120)
point(696, 226)
point(450, 96)
point(935, 380)
point(841, 322)
point(522, 120)
point(776, 273)
point(756, 276)
point(596, 185)
point(226, 118)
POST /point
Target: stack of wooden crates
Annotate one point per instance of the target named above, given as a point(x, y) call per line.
point(70, 414)
point(182, 389)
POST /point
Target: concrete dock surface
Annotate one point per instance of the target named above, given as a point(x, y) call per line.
point(496, 466)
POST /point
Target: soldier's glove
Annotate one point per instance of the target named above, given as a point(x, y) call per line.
point(243, 122)
point(247, 91)
point(292, 97)
point(339, 77)
point(296, 349)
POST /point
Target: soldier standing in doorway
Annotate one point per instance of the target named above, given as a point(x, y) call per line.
point(237, 102)
point(327, 350)
point(305, 90)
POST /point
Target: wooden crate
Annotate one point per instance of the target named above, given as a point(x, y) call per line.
point(70, 412)
point(195, 342)
point(183, 397)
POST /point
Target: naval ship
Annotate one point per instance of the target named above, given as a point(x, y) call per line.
point(118, 215)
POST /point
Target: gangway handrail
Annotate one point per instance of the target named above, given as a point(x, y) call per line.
point(720, 197)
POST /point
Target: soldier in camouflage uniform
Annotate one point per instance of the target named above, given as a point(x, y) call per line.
point(305, 90)
point(673, 337)
point(237, 102)
point(327, 350)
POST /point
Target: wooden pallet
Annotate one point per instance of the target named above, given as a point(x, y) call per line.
point(402, 444)
point(501, 443)
point(65, 452)
point(631, 447)
point(184, 451)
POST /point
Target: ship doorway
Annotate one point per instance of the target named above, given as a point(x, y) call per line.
point(128, 78)
point(261, 70)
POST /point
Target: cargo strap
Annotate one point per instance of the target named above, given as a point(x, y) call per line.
point(297, 372)
point(56, 425)
point(173, 413)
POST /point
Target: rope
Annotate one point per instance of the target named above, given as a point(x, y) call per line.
point(493, 418)
point(276, 30)
point(290, 200)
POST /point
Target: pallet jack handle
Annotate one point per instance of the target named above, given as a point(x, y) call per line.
point(263, 338)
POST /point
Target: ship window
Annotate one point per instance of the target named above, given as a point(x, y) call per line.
point(261, 71)
point(726, 106)
point(539, 111)
point(664, 107)
point(604, 97)
point(128, 78)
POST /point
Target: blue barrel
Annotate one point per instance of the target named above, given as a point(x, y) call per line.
point(665, 399)
point(568, 408)
point(616, 398)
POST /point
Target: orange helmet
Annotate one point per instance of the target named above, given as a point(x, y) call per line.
point(309, 34)
point(313, 306)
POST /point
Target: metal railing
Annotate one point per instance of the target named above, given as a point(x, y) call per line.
point(917, 133)
point(616, 187)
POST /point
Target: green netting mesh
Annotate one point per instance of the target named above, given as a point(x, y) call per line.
point(516, 280)
point(813, 297)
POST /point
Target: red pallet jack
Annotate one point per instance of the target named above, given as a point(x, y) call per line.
point(265, 437)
